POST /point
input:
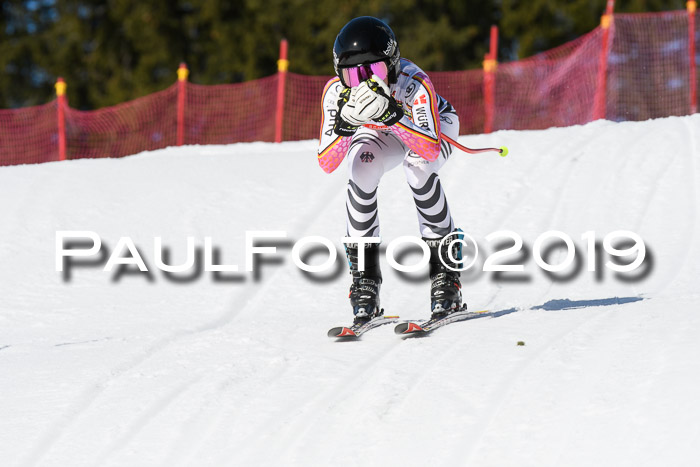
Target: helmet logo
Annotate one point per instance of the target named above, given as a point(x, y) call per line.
point(389, 48)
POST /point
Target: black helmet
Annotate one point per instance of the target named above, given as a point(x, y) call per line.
point(366, 40)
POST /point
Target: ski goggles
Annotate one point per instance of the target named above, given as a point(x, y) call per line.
point(354, 75)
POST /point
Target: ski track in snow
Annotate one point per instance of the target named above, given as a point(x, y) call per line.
point(96, 390)
point(694, 192)
point(135, 427)
point(217, 391)
point(505, 388)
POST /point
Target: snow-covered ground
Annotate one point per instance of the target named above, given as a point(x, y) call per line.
point(124, 368)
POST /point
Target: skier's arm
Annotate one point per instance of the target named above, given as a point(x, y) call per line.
point(421, 133)
point(332, 147)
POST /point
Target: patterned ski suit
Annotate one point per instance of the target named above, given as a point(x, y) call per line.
point(375, 149)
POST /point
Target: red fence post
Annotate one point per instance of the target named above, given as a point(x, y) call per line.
point(282, 65)
point(490, 65)
point(692, 7)
point(61, 105)
point(182, 73)
point(606, 21)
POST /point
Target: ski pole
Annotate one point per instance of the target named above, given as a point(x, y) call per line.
point(503, 151)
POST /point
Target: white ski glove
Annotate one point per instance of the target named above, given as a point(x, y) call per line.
point(349, 110)
point(340, 126)
point(366, 103)
point(369, 104)
point(392, 110)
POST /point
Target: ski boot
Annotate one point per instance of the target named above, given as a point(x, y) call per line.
point(445, 288)
point(364, 291)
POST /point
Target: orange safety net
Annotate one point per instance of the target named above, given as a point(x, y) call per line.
point(646, 72)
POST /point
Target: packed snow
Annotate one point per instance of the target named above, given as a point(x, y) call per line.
point(122, 367)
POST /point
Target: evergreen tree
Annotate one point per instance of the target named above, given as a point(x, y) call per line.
point(116, 50)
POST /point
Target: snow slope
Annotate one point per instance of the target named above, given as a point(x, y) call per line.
point(134, 369)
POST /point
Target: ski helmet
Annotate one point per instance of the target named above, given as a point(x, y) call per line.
point(365, 41)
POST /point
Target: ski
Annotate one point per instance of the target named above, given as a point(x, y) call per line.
point(356, 330)
point(423, 327)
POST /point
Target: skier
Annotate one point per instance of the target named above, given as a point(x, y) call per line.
point(381, 111)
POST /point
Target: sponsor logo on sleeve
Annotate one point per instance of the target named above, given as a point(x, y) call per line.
point(421, 117)
point(410, 90)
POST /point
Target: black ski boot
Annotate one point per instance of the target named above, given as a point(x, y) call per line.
point(445, 288)
point(364, 291)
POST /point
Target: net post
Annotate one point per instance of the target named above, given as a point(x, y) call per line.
point(182, 74)
point(282, 66)
point(490, 65)
point(606, 23)
point(691, 6)
point(61, 107)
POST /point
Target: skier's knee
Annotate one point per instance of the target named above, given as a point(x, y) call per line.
point(417, 175)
